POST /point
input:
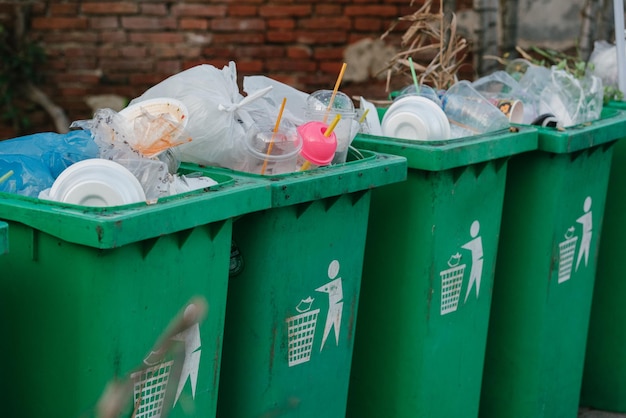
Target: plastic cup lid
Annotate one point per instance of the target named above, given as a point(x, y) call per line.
point(316, 147)
point(415, 118)
point(97, 182)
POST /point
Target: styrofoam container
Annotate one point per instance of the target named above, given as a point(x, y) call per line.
point(415, 118)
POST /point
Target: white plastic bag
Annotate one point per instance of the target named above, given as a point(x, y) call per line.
point(218, 118)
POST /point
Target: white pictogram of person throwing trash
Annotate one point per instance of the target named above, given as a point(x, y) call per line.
point(335, 302)
point(587, 223)
point(476, 248)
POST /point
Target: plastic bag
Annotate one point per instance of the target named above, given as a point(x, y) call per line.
point(218, 118)
point(36, 160)
point(113, 134)
point(604, 60)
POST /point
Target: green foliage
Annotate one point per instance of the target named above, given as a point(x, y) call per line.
point(20, 61)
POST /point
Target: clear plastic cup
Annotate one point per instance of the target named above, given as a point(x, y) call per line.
point(348, 126)
point(470, 113)
point(270, 153)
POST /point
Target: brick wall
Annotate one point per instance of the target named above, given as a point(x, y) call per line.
point(124, 47)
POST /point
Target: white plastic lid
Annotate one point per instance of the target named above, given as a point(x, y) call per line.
point(97, 182)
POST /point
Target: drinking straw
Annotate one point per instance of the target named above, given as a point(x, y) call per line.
point(332, 98)
point(332, 125)
point(271, 145)
point(412, 67)
point(618, 12)
point(363, 116)
point(6, 176)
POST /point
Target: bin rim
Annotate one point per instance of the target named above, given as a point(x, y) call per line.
point(610, 127)
point(453, 153)
point(113, 227)
point(374, 170)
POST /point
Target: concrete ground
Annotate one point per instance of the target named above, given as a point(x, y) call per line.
point(590, 413)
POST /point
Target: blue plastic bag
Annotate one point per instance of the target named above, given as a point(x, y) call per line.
point(36, 160)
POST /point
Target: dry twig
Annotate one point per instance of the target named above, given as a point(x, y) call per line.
point(431, 35)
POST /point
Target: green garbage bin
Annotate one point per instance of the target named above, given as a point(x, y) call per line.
point(87, 292)
point(4, 238)
point(428, 272)
point(604, 376)
point(547, 257)
point(292, 307)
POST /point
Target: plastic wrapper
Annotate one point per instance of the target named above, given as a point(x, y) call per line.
point(34, 161)
point(114, 134)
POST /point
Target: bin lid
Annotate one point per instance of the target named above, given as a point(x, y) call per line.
point(111, 227)
point(610, 127)
point(363, 170)
point(4, 238)
point(453, 153)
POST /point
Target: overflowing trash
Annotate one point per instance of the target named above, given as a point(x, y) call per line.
point(523, 93)
point(200, 116)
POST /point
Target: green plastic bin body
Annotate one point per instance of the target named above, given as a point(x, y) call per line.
point(292, 310)
point(551, 224)
point(4, 238)
point(428, 273)
point(604, 377)
point(88, 291)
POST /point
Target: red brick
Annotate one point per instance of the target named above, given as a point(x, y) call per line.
point(106, 22)
point(148, 23)
point(372, 10)
point(339, 22)
point(51, 23)
point(163, 51)
point(60, 9)
point(112, 7)
point(321, 37)
point(108, 51)
point(249, 66)
point(290, 65)
point(232, 24)
point(281, 23)
point(117, 36)
point(88, 78)
point(299, 52)
point(193, 24)
point(238, 38)
point(168, 67)
point(368, 24)
point(326, 54)
point(199, 10)
point(242, 10)
point(260, 51)
point(328, 10)
point(132, 51)
point(82, 63)
point(146, 79)
point(125, 64)
point(281, 36)
point(153, 9)
point(276, 11)
point(79, 51)
point(159, 37)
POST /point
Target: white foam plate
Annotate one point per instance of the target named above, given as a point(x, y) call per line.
point(415, 118)
point(97, 182)
point(157, 106)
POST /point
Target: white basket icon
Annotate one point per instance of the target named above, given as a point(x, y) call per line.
point(451, 283)
point(567, 249)
point(301, 331)
point(149, 387)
